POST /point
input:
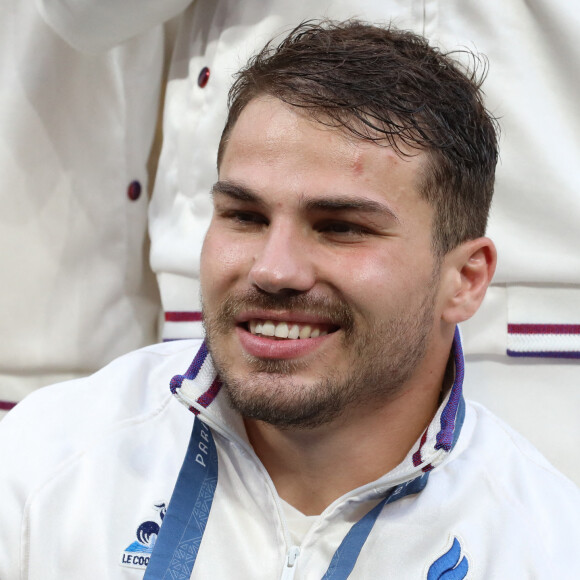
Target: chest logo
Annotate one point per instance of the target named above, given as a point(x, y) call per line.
point(451, 565)
point(137, 554)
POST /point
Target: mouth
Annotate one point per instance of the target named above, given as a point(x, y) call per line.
point(287, 330)
point(268, 339)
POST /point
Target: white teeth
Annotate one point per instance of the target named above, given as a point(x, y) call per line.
point(268, 328)
point(294, 331)
point(284, 330)
point(281, 330)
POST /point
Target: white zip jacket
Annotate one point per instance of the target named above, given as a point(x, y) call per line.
point(87, 486)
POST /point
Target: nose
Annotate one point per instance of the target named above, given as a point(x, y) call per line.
point(283, 262)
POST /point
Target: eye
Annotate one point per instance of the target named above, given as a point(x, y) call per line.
point(248, 217)
point(243, 218)
point(343, 229)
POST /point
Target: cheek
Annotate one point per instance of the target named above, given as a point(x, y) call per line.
point(362, 277)
point(223, 261)
point(382, 280)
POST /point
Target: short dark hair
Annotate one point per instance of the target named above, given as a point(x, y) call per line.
point(388, 86)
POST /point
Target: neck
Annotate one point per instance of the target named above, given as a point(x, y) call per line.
point(313, 467)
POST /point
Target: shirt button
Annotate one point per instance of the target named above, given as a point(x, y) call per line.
point(134, 191)
point(203, 77)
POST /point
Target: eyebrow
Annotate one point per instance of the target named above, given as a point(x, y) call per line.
point(235, 191)
point(349, 203)
point(332, 204)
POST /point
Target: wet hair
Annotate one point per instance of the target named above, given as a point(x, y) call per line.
point(391, 87)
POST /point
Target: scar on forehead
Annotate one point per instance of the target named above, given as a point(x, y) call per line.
point(358, 166)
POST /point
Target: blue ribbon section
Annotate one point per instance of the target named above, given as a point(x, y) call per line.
point(184, 523)
point(345, 557)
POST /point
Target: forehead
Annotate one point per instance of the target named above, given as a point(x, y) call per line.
point(274, 146)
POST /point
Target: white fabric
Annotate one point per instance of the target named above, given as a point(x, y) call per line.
point(112, 446)
point(75, 131)
point(538, 398)
point(298, 524)
point(96, 26)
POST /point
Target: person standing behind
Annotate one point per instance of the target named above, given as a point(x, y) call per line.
point(76, 129)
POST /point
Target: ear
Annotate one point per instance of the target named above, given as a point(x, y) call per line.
point(468, 270)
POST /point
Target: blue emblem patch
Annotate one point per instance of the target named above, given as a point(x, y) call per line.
point(137, 554)
point(450, 566)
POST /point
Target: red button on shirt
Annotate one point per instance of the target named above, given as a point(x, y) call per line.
point(134, 191)
point(203, 77)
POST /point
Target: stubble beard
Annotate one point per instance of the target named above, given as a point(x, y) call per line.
point(383, 356)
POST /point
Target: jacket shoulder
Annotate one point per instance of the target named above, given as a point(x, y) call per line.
point(79, 438)
point(503, 469)
point(56, 421)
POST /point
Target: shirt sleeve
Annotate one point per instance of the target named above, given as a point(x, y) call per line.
point(96, 25)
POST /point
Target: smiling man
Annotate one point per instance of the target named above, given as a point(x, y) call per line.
point(329, 435)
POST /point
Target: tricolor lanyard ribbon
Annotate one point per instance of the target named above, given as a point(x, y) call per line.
point(184, 523)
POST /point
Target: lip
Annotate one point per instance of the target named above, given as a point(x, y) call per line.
point(282, 316)
point(268, 348)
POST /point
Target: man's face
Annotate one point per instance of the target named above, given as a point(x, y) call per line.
point(318, 280)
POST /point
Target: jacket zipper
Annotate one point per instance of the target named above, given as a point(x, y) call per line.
point(290, 564)
point(294, 551)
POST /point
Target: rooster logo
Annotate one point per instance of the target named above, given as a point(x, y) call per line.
point(138, 553)
point(148, 531)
